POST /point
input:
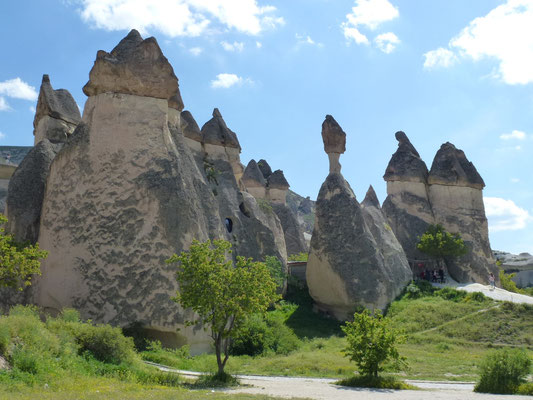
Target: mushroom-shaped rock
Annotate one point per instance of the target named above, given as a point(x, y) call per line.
point(451, 167)
point(190, 127)
point(265, 168)
point(371, 199)
point(406, 164)
point(56, 115)
point(334, 140)
point(215, 131)
point(253, 180)
point(135, 66)
point(277, 187)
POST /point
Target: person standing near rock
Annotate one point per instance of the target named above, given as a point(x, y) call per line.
point(491, 281)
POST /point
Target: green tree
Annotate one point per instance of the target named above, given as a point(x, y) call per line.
point(441, 245)
point(503, 370)
point(372, 343)
point(221, 293)
point(18, 261)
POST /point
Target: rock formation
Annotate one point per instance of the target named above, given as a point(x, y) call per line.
point(450, 195)
point(254, 181)
point(57, 114)
point(10, 158)
point(347, 267)
point(456, 197)
point(133, 184)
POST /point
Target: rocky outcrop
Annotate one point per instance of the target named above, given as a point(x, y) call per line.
point(265, 168)
point(57, 114)
point(254, 181)
point(346, 266)
point(127, 191)
point(277, 187)
point(449, 195)
point(334, 140)
point(407, 207)
point(456, 197)
point(137, 67)
point(292, 231)
point(26, 191)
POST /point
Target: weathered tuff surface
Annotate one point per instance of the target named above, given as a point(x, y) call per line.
point(346, 268)
point(450, 195)
point(253, 178)
point(407, 206)
point(334, 140)
point(292, 231)
point(57, 114)
point(352, 262)
point(135, 66)
point(26, 191)
point(215, 131)
point(456, 197)
point(124, 193)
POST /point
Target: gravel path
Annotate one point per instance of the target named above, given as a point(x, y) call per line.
point(325, 389)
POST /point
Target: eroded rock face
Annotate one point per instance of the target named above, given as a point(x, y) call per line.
point(407, 207)
point(352, 263)
point(135, 66)
point(26, 191)
point(277, 187)
point(124, 193)
point(456, 197)
point(57, 114)
point(265, 168)
point(292, 231)
point(254, 181)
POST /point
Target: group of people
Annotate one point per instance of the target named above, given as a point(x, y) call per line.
point(434, 275)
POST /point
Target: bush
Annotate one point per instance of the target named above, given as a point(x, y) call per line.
point(261, 335)
point(376, 382)
point(525, 389)
point(502, 371)
point(475, 296)
point(419, 289)
point(104, 342)
point(448, 293)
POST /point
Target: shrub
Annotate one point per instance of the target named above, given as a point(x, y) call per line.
point(376, 382)
point(525, 389)
point(502, 371)
point(104, 342)
point(70, 315)
point(299, 257)
point(507, 282)
point(475, 296)
point(448, 293)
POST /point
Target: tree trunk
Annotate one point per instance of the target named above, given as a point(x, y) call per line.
point(220, 363)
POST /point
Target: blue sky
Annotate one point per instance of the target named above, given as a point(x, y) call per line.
point(440, 70)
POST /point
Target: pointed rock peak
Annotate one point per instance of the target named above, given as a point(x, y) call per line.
point(215, 131)
point(190, 127)
point(406, 164)
point(135, 66)
point(265, 168)
point(252, 176)
point(277, 180)
point(58, 104)
point(333, 136)
point(371, 199)
point(451, 167)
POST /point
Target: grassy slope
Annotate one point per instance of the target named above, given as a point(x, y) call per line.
point(445, 340)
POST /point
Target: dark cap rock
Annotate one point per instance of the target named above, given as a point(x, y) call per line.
point(406, 164)
point(333, 136)
point(277, 180)
point(371, 199)
point(215, 131)
point(451, 167)
point(135, 66)
point(252, 176)
point(265, 168)
point(190, 127)
point(58, 104)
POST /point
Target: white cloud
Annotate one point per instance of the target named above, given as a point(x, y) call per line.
point(387, 42)
point(3, 105)
point(196, 51)
point(515, 180)
point(505, 35)
point(2, 136)
point(519, 135)
point(306, 39)
point(235, 46)
point(439, 58)
point(354, 34)
point(179, 17)
point(32, 109)
point(505, 215)
point(18, 89)
point(224, 81)
point(258, 45)
point(371, 13)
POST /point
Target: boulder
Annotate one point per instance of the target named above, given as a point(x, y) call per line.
point(26, 191)
point(135, 66)
point(456, 197)
point(57, 114)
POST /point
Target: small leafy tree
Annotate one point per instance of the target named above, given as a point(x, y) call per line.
point(221, 293)
point(503, 370)
point(441, 245)
point(372, 343)
point(18, 261)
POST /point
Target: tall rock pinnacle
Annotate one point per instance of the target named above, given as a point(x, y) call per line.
point(334, 140)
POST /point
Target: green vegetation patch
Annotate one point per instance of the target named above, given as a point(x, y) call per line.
point(380, 382)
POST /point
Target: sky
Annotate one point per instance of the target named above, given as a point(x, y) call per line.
point(440, 70)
